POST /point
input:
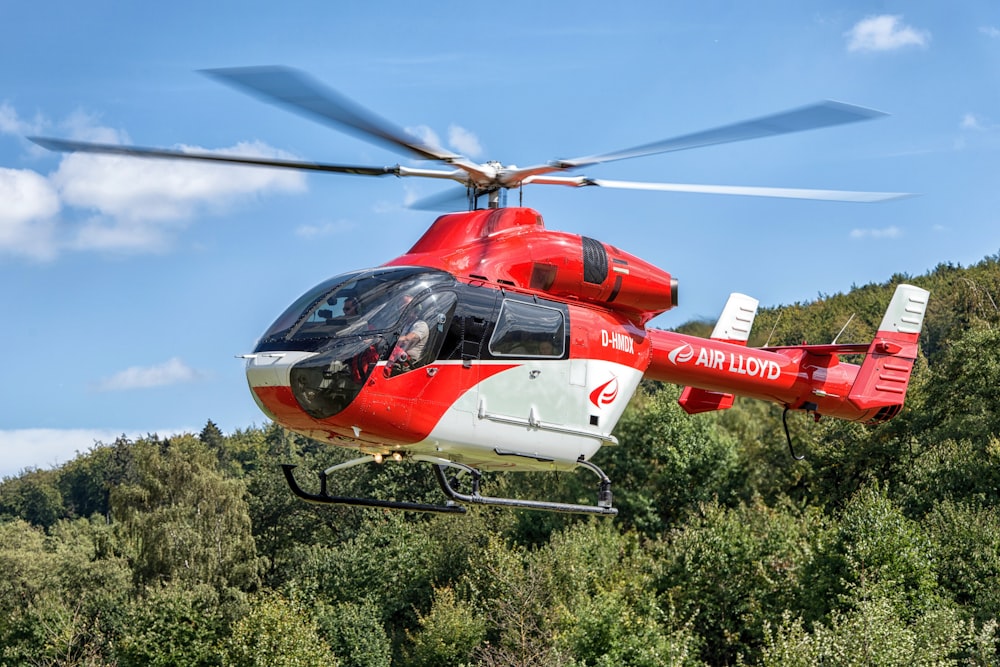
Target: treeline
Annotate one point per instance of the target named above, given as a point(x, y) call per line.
point(880, 547)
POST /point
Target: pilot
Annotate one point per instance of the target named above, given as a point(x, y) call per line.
point(415, 338)
point(351, 307)
point(410, 345)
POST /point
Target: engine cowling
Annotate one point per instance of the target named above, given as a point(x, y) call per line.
point(511, 246)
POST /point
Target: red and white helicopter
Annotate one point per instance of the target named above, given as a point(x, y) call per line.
point(497, 344)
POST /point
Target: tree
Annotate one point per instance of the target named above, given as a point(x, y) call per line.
point(874, 633)
point(354, 632)
point(733, 568)
point(872, 551)
point(667, 461)
point(448, 634)
point(61, 594)
point(962, 389)
point(276, 633)
point(172, 624)
point(180, 519)
point(33, 496)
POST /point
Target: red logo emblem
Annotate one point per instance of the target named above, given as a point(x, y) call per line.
point(606, 394)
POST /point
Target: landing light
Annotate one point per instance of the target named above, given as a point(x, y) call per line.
point(397, 457)
point(378, 458)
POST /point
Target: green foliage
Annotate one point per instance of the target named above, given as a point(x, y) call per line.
point(180, 519)
point(875, 635)
point(733, 568)
point(618, 628)
point(874, 551)
point(276, 632)
point(392, 564)
point(666, 461)
point(355, 633)
point(448, 633)
point(966, 546)
point(86, 481)
point(962, 392)
point(881, 548)
point(33, 497)
point(61, 594)
point(173, 624)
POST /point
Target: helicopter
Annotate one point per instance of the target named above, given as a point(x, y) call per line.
point(496, 344)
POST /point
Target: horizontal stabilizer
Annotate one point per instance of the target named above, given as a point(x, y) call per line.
point(832, 348)
point(695, 400)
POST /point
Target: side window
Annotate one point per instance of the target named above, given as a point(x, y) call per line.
point(528, 330)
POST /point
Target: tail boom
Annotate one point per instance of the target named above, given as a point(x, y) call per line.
point(801, 377)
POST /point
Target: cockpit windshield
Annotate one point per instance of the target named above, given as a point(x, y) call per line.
point(354, 304)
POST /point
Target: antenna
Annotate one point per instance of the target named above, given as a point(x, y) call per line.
point(775, 326)
point(837, 337)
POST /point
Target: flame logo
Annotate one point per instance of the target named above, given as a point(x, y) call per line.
point(682, 354)
point(606, 394)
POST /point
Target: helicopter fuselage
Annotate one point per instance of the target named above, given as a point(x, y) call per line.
point(532, 342)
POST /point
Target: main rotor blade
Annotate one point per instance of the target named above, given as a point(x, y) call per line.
point(814, 116)
point(67, 146)
point(296, 91)
point(747, 191)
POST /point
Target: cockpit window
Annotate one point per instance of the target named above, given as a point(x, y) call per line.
point(528, 330)
point(353, 304)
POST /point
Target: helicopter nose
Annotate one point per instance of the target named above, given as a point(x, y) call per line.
point(269, 377)
point(272, 369)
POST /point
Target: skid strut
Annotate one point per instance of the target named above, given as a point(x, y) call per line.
point(455, 498)
point(325, 498)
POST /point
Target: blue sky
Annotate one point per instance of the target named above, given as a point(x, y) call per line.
point(128, 287)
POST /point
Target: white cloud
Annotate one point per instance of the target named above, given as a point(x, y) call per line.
point(44, 447)
point(119, 203)
point(11, 123)
point(892, 232)
point(990, 31)
point(150, 190)
point(27, 214)
point(884, 33)
point(174, 371)
point(971, 122)
point(140, 204)
point(464, 141)
point(460, 139)
point(426, 135)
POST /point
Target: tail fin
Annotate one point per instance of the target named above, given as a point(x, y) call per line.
point(885, 373)
point(733, 327)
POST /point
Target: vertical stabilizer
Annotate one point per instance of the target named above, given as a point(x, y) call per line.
point(736, 319)
point(885, 373)
point(905, 315)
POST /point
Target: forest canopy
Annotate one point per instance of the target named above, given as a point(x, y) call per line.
point(881, 546)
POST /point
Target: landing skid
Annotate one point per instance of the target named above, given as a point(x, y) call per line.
point(324, 497)
point(456, 499)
